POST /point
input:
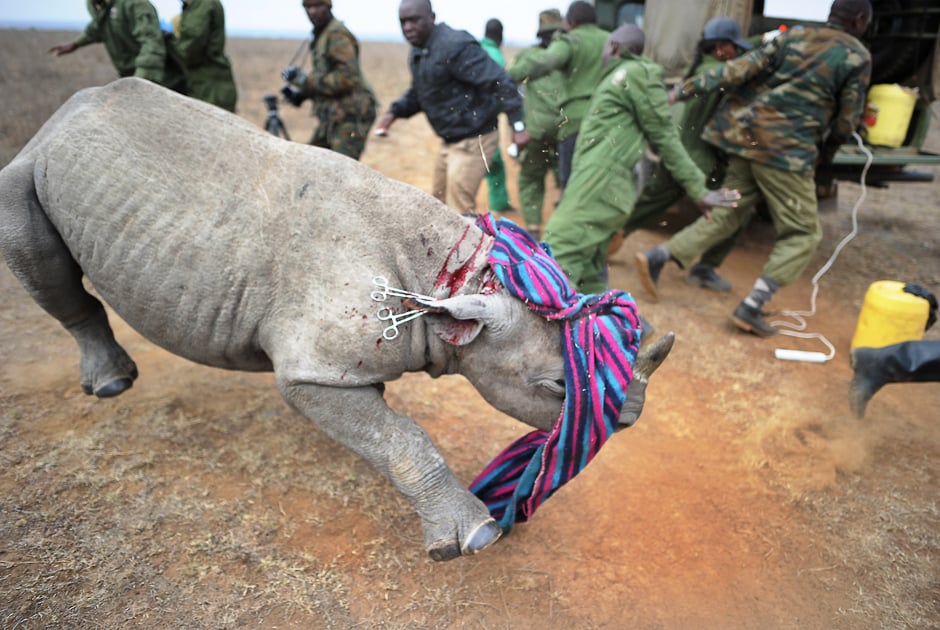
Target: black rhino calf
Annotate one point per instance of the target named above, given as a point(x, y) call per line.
point(238, 250)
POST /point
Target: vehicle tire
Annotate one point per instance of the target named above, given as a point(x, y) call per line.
point(895, 54)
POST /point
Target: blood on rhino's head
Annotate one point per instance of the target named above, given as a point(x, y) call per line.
point(512, 356)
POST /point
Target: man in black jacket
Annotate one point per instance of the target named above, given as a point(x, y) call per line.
point(461, 91)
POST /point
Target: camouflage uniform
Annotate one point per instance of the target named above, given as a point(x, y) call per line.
point(343, 101)
point(577, 54)
point(771, 125)
point(200, 44)
point(629, 107)
point(130, 31)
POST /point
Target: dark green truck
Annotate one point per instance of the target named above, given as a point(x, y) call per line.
point(903, 40)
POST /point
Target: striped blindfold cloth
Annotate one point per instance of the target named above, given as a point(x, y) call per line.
point(600, 339)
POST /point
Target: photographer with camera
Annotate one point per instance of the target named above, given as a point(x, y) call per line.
point(343, 101)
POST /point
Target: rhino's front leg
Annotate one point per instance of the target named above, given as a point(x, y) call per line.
point(455, 522)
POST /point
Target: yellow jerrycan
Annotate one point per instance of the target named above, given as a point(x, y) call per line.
point(890, 315)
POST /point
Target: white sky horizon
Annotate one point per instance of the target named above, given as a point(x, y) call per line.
point(367, 19)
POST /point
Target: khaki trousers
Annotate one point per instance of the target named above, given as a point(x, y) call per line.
point(791, 200)
point(460, 167)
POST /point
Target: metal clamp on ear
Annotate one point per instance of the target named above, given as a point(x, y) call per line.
point(417, 303)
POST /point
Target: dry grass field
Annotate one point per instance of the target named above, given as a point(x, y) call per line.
point(746, 497)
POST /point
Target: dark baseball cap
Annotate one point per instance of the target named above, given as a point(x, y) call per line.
point(726, 28)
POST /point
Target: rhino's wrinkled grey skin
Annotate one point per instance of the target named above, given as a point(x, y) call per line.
point(238, 250)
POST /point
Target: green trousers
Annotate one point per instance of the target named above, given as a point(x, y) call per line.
point(496, 184)
point(661, 193)
point(791, 200)
point(539, 158)
point(580, 235)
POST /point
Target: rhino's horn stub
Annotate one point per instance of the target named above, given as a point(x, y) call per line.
point(652, 356)
point(647, 361)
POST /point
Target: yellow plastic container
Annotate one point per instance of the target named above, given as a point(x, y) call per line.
point(894, 106)
point(889, 316)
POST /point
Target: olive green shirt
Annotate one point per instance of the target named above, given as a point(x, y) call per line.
point(200, 45)
point(630, 107)
point(130, 31)
point(577, 54)
point(543, 97)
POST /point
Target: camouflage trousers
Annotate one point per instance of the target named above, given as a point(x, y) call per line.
point(791, 201)
point(344, 134)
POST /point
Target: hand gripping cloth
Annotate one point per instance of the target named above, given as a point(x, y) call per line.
point(601, 338)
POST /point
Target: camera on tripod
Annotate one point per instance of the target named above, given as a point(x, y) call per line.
point(273, 124)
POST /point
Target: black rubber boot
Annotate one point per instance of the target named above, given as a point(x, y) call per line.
point(705, 276)
point(749, 316)
point(751, 319)
point(907, 362)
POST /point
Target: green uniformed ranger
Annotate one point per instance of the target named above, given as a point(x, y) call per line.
point(801, 89)
point(629, 109)
point(722, 39)
point(130, 32)
point(199, 41)
point(343, 101)
point(542, 120)
point(577, 54)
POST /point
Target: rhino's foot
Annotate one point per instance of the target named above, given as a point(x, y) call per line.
point(443, 550)
point(109, 378)
point(106, 368)
point(110, 388)
point(477, 539)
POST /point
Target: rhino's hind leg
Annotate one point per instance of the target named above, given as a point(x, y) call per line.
point(42, 263)
point(106, 368)
point(455, 522)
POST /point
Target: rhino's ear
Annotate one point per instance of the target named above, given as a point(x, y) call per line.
point(468, 314)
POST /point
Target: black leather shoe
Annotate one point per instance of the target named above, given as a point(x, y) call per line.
point(705, 276)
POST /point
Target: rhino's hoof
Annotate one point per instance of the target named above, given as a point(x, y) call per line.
point(442, 551)
point(482, 537)
point(113, 388)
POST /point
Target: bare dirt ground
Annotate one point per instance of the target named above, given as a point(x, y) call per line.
point(747, 496)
